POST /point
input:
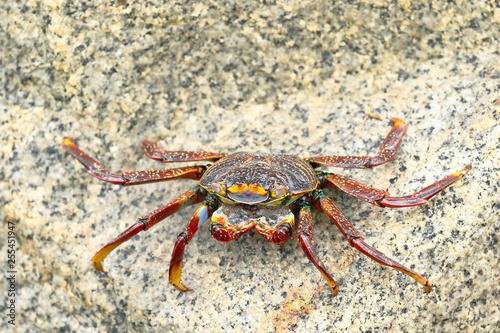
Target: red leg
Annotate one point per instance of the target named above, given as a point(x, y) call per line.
point(152, 150)
point(383, 199)
point(202, 214)
point(322, 202)
point(386, 152)
point(145, 222)
point(129, 178)
point(304, 235)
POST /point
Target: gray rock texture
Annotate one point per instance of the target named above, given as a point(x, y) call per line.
point(298, 77)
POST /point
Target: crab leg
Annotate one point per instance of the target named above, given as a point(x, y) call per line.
point(304, 235)
point(322, 202)
point(202, 214)
point(98, 171)
point(383, 199)
point(145, 222)
point(386, 152)
point(152, 150)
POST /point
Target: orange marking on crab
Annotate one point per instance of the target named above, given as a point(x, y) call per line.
point(244, 188)
point(68, 142)
point(247, 193)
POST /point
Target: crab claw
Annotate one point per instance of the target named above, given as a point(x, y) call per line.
point(277, 233)
point(221, 228)
point(223, 233)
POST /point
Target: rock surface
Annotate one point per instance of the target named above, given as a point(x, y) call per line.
point(285, 76)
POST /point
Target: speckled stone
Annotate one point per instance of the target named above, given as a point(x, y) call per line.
point(282, 76)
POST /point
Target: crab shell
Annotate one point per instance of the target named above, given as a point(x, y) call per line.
point(259, 178)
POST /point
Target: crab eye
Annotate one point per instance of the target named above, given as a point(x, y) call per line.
point(278, 191)
point(219, 188)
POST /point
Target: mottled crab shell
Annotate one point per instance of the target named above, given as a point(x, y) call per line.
point(263, 170)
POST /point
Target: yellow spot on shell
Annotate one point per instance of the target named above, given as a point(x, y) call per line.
point(244, 188)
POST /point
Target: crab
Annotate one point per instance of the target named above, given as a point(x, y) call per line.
point(269, 192)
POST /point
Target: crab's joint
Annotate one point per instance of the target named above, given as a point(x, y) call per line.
point(351, 239)
point(303, 232)
point(368, 163)
point(144, 222)
point(184, 236)
point(125, 180)
point(379, 201)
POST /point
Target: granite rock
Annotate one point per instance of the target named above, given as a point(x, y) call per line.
point(285, 76)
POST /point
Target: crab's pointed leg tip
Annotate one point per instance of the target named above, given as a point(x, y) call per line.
point(375, 116)
point(335, 291)
point(67, 142)
point(182, 287)
point(467, 168)
point(98, 266)
point(427, 288)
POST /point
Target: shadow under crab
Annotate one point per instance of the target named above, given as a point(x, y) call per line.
point(268, 192)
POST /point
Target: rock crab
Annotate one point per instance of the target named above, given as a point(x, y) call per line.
point(268, 192)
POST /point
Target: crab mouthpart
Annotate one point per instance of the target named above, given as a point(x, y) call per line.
point(247, 194)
